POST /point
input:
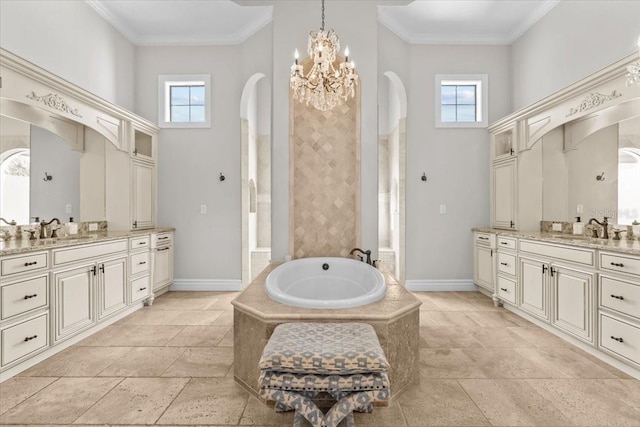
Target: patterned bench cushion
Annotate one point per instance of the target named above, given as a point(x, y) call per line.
point(324, 348)
point(315, 382)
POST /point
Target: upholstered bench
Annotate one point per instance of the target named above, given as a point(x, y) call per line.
point(344, 360)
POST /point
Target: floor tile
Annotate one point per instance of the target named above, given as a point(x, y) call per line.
point(183, 304)
point(499, 337)
point(505, 363)
point(200, 336)
point(448, 337)
point(617, 372)
point(227, 341)
point(448, 363)
point(132, 336)
point(143, 362)
point(201, 362)
point(490, 319)
point(445, 318)
point(257, 413)
point(439, 402)
point(587, 402)
point(539, 337)
point(62, 402)
point(226, 318)
point(390, 416)
point(512, 402)
point(135, 401)
point(17, 389)
point(77, 362)
point(207, 401)
point(565, 363)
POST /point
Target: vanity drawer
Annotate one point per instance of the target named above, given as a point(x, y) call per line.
point(507, 243)
point(507, 289)
point(84, 252)
point(484, 239)
point(620, 337)
point(24, 338)
point(140, 288)
point(507, 264)
point(21, 297)
point(139, 262)
point(564, 253)
point(619, 263)
point(23, 264)
point(138, 243)
point(620, 295)
point(163, 239)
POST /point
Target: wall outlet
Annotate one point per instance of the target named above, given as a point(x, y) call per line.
point(443, 209)
point(203, 209)
point(67, 208)
point(579, 209)
point(93, 226)
point(557, 226)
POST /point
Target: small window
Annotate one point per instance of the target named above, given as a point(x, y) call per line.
point(184, 101)
point(461, 100)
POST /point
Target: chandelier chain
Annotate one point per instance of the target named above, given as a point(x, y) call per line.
point(322, 26)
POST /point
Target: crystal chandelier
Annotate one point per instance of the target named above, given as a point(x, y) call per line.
point(324, 86)
point(633, 71)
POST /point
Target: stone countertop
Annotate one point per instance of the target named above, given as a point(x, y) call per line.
point(625, 246)
point(255, 301)
point(13, 247)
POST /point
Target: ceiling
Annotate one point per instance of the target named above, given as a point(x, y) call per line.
point(198, 22)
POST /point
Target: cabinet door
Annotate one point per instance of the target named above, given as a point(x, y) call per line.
point(573, 302)
point(143, 144)
point(504, 194)
point(73, 308)
point(142, 195)
point(483, 270)
point(112, 286)
point(532, 295)
point(163, 267)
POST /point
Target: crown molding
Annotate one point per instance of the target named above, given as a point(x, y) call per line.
point(238, 37)
point(532, 19)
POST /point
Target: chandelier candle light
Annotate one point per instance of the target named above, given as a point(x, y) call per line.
point(324, 86)
point(633, 71)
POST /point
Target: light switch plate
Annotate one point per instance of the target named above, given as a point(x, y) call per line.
point(67, 208)
point(203, 209)
point(443, 209)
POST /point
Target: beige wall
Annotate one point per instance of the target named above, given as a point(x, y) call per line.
point(325, 180)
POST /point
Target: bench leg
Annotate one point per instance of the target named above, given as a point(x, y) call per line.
point(303, 406)
point(359, 401)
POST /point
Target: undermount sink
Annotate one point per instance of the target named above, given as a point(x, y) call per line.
point(571, 237)
point(72, 237)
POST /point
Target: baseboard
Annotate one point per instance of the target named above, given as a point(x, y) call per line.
point(205, 285)
point(440, 285)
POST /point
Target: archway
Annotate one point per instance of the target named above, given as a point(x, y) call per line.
point(391, 174)
point(255, 122)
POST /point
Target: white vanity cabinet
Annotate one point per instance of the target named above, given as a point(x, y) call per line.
point(89, 284)
point(504, 176)
point(573, 304)
point(24, 307)
point(533, 287)
point(619, 306)
point(142, 196)
point(483, 262)
point(140, 262)
point(506, 281)
point(162, 261)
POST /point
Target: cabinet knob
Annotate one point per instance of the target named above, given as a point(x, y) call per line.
point(142, 289)
point(617, 339)
point(504, 263)
point(30, 338)
point(617, 264)
point(142, 262)
point(27, 264)
point(620, 297)
point(30, 296)
point(504, 289)
point(503, 243)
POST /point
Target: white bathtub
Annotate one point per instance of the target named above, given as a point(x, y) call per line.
point(325, 283)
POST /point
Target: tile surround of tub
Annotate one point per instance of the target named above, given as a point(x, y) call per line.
point(325, 179)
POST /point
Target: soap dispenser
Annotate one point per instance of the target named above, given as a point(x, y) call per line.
point(71, 227)
point(578, 227)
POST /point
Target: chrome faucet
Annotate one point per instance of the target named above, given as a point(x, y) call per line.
point(367, 253)
point(43, 226)
point(605, 227)
point(12, 222)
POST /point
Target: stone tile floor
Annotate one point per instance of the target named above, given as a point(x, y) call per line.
point(172, 364)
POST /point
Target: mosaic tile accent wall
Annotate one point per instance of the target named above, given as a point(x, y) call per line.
point(324, 179)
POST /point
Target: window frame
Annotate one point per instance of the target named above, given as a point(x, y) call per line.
point(166, 82)
point(480, 81)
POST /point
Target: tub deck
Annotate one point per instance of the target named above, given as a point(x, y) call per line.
point(395, 319)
